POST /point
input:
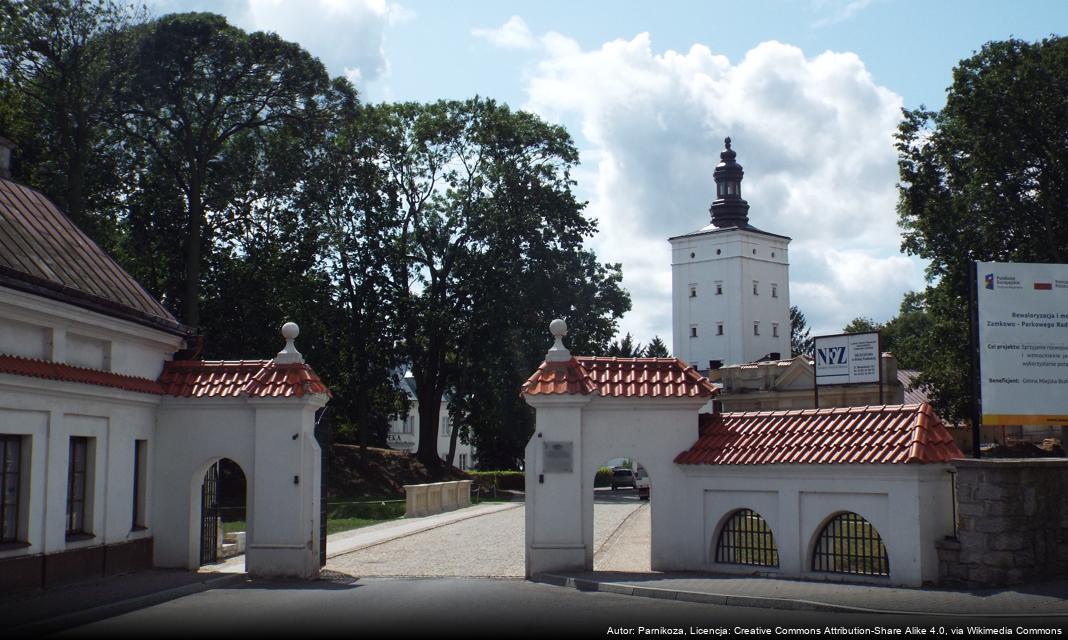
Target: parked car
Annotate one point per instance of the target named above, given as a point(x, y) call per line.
point(623, 477)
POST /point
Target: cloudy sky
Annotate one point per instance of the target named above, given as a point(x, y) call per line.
point(810, 91)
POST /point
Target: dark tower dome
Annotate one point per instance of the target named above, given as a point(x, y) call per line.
point(729, 209)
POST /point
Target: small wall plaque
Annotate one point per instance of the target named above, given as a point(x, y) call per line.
point(557, 457)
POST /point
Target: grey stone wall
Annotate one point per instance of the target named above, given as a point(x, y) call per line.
point(1012, 520)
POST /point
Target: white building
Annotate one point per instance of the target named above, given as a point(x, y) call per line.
point(730, 283)
point(108, 423)
point(404, 433)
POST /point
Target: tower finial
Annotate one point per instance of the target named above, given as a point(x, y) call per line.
point(727, 142)
point(558, 352)
point(289, 353)
point(729, 209)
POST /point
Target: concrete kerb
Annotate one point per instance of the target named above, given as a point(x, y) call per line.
point(112, 609)
point(787, 604)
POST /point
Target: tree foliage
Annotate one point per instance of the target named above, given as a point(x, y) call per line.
point(656, 349)
point(985, 178)
point(800, 334)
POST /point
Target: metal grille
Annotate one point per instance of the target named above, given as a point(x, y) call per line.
point(850, 544)
point(209, 516)
point(77, 479)
point(10, 474)
point(746, 538)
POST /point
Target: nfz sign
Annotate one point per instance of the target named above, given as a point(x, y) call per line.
point(850, 358)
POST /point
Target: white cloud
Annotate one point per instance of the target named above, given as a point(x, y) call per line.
point(814, 135)
point(513, 34)
point(836, 11)
point(347, 35)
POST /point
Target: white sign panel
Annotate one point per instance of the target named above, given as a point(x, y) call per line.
point(850, 358)
point(1023, 342)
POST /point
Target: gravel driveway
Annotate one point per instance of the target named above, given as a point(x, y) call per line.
point(486, 546)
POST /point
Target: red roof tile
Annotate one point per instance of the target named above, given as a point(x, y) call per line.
point(43, 252)
point(620, 378)
point(886, 434)
point(222, 379)
point(68, 373)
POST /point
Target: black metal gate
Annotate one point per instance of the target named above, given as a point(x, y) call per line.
point(209, 516)
point(324, 434)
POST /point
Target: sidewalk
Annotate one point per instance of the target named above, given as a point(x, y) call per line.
point(40, 612)
point(1046, 599)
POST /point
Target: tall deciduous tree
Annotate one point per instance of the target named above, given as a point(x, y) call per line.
point(985, 178)
point(58, 59)
point(196, 85)
point(489, 246)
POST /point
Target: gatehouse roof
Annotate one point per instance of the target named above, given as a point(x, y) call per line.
point(620, 378)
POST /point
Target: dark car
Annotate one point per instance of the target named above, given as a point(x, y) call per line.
point(623, 477)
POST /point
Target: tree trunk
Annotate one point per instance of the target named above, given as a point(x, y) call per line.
point(429, 406)
point(452, 447)
point(191, 304)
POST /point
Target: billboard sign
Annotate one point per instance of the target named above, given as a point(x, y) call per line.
point(1023, 342)
point(848, 358)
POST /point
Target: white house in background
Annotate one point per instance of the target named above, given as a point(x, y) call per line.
point(404, 433)
point(730, 283)
point(108, 424)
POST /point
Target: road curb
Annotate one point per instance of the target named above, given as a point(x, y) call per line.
point(763, 602)
point(111, 609)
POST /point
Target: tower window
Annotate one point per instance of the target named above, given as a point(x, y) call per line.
point(693, 331)
point(719, 288)
point(756, 328)
point(774, 290)
point(774, 329)
point(719, 328)
point(693, 291)
point(756, 288)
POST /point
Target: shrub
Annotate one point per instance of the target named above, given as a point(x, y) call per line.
point(603, 477)
point(502, 480)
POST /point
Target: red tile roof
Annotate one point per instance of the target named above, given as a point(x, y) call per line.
point(186, 378)
point(885, 434)
point(620, 378)
point(68, 373)
point(256, 378)
point(43, 252)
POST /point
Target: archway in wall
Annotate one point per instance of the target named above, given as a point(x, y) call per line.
point(223, 512)
point(622, 526)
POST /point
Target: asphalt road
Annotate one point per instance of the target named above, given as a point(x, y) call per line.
point(445, 608)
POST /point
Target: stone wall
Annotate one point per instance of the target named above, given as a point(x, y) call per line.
point(1012, 523)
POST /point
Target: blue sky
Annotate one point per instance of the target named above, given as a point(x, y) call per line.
point(810, 91)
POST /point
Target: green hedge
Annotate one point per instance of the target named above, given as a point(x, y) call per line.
point(502, 480)
point(603, 477)
point(379, 510)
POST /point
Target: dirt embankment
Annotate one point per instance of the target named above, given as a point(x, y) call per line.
point(381, 473)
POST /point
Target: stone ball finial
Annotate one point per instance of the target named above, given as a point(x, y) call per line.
point(289, 353)
point(727, 142)
point(558, 352)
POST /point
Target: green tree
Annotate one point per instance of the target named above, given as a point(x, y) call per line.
point(625, 347)
point(985, 178)
point(800, 334)
point(58, 72)
point(489, 249)
point(197, 86)
point(657, 349)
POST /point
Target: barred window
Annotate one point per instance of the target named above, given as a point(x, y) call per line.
point(746, 538)
point(10, 487)
point(850, 544)
point(78, 479)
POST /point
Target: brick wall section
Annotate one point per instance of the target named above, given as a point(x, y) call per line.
point(1012, 523)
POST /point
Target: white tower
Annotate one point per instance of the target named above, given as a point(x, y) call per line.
point(730, 283)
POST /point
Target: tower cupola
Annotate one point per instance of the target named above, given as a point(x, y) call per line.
point(729, 209)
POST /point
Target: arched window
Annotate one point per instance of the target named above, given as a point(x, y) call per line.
point(850, 544)
point(746, 539)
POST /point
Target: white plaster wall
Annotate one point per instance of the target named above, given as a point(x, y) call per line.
point(398, 439)
point(909, 505)
point(49, 413)
point(736, 266)
point(24, 339)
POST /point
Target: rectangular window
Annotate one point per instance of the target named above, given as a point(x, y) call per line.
point(693, 331)
point(10, 487)
point(775, 330)
point(409, 425)
point(756, 288)
point(774, 291)
point(693, 291)
point(77, 486)
point(139, 479)
point(719, 288)
point(446, 426)
point(719, 328)
point(756, 328)
point(463, 462)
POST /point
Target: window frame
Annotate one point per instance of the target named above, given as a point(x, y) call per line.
point(16, 505)
point(745, 534)
point(827, 556)
point(80, 527)
point(138, 521)
point(756, 327)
